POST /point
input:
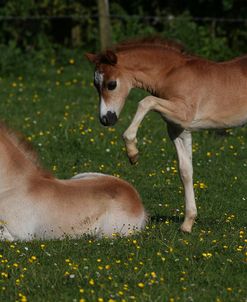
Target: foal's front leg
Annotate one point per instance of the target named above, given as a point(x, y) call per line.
point(129, 135)
point(174, 111)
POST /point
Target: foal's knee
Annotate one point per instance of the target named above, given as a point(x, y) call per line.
point(146, 103)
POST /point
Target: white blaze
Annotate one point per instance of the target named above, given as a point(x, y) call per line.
point(98, 78)
point(103, 108)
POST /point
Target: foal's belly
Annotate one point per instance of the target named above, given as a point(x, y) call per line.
point(218, 122)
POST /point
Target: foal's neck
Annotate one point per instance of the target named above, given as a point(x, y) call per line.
point(13, 162)
point(148, 69)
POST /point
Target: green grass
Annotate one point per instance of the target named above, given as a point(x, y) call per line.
point(56, 107)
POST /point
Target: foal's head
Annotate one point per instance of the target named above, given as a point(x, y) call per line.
point(116, 70)
point(112, 84)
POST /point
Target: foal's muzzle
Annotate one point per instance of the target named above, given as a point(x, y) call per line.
point(109, 119)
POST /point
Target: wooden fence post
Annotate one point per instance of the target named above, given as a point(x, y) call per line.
point(104, 24)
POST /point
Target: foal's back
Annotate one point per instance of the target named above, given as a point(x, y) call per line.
point(214, 92)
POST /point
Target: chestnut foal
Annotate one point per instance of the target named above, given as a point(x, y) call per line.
point(34, 204)
point(189, 92)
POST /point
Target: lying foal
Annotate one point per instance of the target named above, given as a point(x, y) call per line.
point(34, 204)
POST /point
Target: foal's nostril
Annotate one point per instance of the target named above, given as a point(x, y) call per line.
point(103, 120)
point(109, 119)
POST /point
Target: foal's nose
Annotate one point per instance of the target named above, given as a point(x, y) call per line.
point(109, 119)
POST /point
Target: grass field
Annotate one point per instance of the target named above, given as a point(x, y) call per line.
point(56, 108)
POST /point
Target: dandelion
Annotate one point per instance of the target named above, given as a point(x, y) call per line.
point(141, 285)
point(91, 282)
point(32, 259)
point(207, 255)
point(23, 298)
point(5, 275)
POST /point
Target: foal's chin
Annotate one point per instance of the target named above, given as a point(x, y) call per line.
point(107, 124)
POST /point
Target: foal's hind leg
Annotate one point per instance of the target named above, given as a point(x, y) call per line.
point(183, 142)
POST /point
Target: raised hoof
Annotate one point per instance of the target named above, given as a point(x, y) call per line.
point(133, 159)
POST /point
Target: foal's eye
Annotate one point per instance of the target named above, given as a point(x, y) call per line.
point(112, 85)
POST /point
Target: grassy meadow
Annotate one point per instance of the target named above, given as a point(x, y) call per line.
point(56, 107)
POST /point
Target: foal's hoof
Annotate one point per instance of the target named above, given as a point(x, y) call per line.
point(185, 228)
point(133, 159)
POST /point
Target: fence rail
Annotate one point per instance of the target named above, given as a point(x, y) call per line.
point(124, 17)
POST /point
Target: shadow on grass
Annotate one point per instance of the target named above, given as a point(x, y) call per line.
point(161, 218)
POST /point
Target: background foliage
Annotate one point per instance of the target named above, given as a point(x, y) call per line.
point(46, 26)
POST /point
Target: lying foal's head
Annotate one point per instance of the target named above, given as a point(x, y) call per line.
point(113, 86)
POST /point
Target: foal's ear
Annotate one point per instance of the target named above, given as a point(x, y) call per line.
point(93, 58)
point(110, 57)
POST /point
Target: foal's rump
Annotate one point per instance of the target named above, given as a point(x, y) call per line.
point(94, 204)
point(118, 204)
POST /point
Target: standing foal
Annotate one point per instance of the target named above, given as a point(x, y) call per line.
point(34, 204)
point(189, 92)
